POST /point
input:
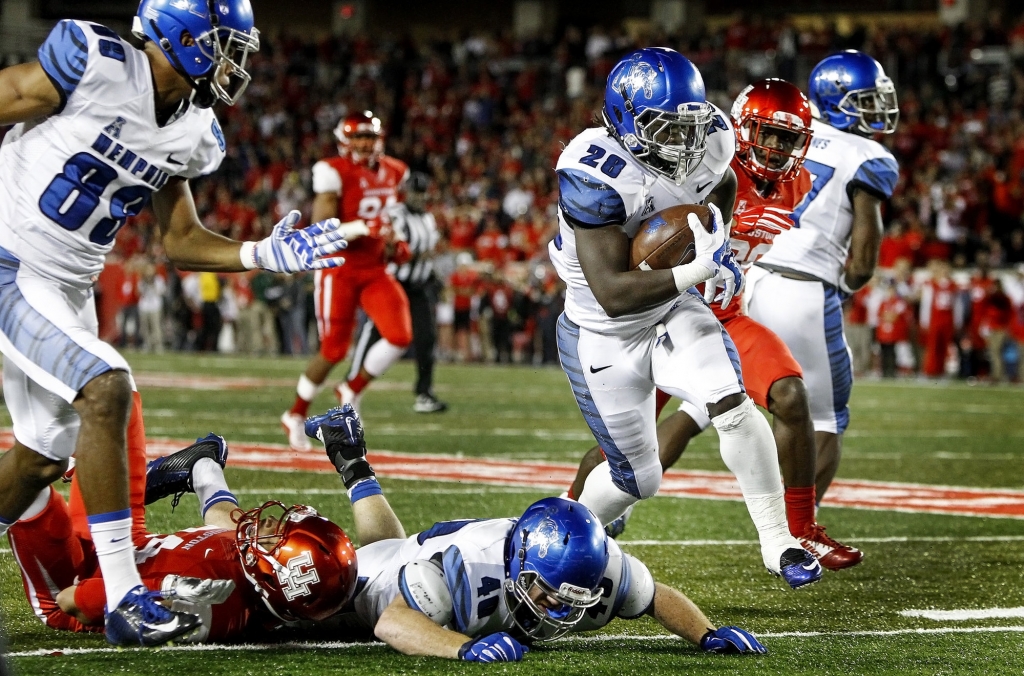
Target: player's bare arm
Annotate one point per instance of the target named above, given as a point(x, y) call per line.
point(865, 238)
point(412, 633)
point(724, 195)
point(26, 93)
point(325, 205)
point(604, 257)
point(679, 614)
point(188, 244)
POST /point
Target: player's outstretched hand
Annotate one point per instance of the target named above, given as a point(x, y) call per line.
point(196, 590)
point(290, 250)
point(728, 276)
point(499, 647)
point(731, 641)
point(709, 246)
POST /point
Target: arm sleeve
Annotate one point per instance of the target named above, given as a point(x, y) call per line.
point(326, 178)
point(64, 56)
point(586, 202)
point(640, 594)
point(877, 176)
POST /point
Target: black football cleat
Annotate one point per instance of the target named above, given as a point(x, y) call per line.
point(341, 432)
point(172, 474)
point(139, 620)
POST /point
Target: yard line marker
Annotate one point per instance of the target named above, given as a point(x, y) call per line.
point(603, 638)
point(965, 614)
point(885, 540)
point(556, 476)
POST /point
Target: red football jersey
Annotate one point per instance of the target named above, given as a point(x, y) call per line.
point(363, 193)
point(757, 220)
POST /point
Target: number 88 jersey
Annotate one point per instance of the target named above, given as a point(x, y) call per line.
point(600, 184)
point(365, 193)
point(69, 182)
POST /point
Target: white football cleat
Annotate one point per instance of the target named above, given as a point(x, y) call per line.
point(345, 395)
point(294, 426)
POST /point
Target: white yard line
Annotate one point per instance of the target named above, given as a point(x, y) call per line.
point(965, 614)
point(338, 645)
point(886, 540)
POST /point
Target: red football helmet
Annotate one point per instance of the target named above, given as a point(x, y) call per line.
point(773, 129)
point(302, 565)
point(355, 132)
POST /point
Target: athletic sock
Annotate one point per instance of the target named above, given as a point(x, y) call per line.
point(364, 488)
point(601, 496)
point(305, 392)
point(748, 449)
point(112, 538)
point(5, 523)
point(358, 383)
point(380, 357)
point(210, 485)
point(37, 506)
point(799, 509)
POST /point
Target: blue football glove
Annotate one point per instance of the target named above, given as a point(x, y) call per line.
point(499, 647)
point(728, 276)
point(731, 641)
point(290, 250)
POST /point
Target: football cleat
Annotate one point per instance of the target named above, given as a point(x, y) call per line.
point(140, 620)
point(830, 553)
point(293, 427)
point(345, 395)
point(798, 568)
point(172, 474)
point(341, 432)
point(616, 527)
point(428, 403)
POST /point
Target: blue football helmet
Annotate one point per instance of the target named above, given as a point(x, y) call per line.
point(213, 60)
point(654, 103)
point(851, 92)
point(558, 550)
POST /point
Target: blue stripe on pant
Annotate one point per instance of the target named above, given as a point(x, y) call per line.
point(37, 338)
point(568, 351)
point(734, 356)
point(838, 357)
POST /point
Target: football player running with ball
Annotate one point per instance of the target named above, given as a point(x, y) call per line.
point(102, 127)
point(798, 287)
point(772, 121)
point(626, 332)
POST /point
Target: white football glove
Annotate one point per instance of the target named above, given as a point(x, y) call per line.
point(728, 276)
point(289, 250)
point(710, 246)
point(196, 590)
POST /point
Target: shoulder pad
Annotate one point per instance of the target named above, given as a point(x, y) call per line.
point(641, 589)
point(64, 56)
point(424, 589)
point(721, 142)
point(210, 147)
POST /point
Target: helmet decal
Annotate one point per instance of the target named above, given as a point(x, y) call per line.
point(297, 576)
point(543, 537)
point(640, 76)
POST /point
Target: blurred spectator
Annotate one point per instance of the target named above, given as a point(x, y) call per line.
point(895, 322)
point(128, 319)
point(938, 296)
point(858, 330)
point(996, 318)
point(209, 295)
point(152, 289)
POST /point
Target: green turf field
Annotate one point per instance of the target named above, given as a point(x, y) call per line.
point(847, 624)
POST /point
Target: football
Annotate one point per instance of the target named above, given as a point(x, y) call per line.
point(665, 240)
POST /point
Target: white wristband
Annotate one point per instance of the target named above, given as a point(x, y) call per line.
point(690, 274)
point(247, 254)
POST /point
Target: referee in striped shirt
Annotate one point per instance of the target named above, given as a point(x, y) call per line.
point(417, 227)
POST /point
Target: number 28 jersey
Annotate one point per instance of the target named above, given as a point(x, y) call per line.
point(68, 182)
point(362, 193)
point(601, 183)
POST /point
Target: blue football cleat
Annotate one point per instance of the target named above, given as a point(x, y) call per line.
point(799, 568)
point(615, 528)
point(172, 474)
point(140, 620)
point(341, 432)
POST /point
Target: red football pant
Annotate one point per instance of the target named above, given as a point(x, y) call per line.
point(339, 292)
point(936, 346)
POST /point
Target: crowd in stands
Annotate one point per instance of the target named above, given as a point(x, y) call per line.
point(485, 117)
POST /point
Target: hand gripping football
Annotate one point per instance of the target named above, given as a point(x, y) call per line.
point(665, 240)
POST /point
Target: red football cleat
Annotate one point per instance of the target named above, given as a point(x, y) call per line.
point(830, 553)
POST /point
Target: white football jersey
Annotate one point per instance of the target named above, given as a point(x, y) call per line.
point(472, 557)
point(839, 162)
point(601, 183)
point(69, 181)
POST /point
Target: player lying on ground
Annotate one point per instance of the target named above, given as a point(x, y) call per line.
point(772, 121)
point(563, 552)
point(241, 573)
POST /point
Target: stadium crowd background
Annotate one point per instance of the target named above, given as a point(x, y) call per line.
point(485, 116)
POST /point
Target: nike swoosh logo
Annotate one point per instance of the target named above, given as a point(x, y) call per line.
point(119, 539)
point(700, 188)
point(594, 370)
point(813, 566)
point(171, 160)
